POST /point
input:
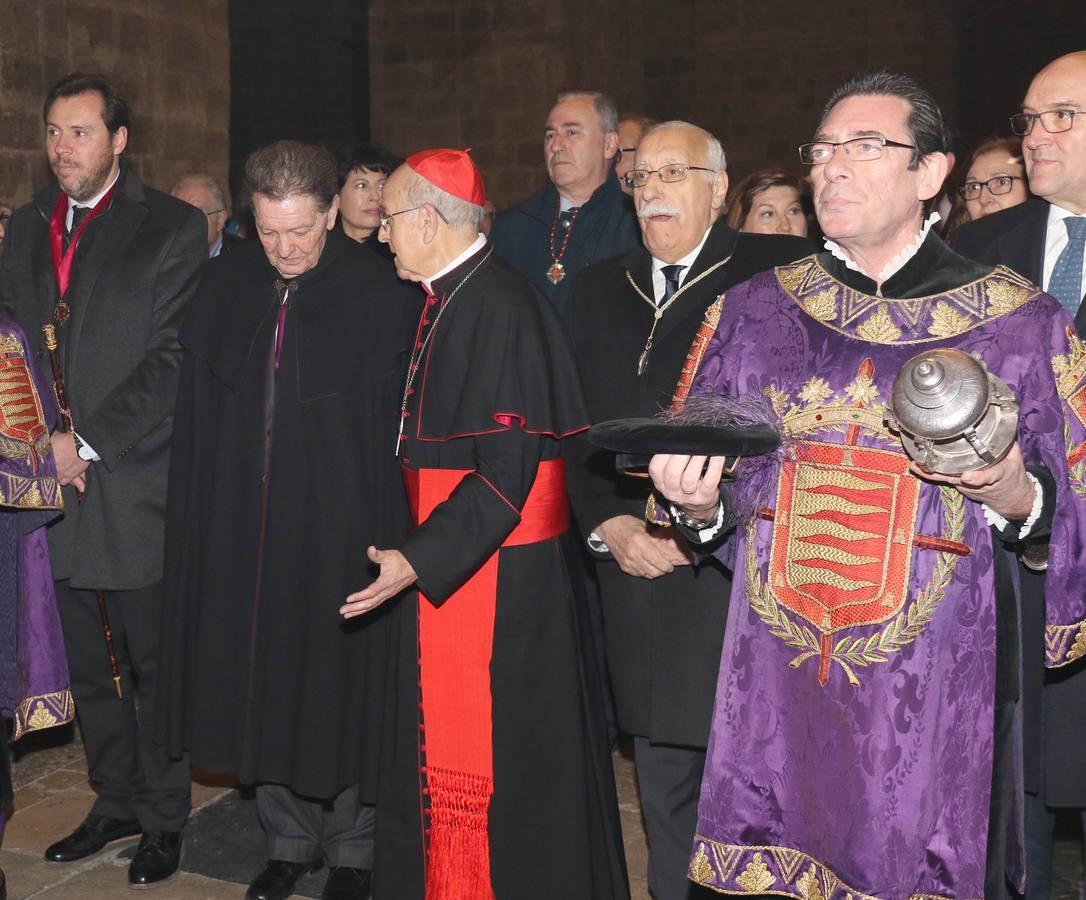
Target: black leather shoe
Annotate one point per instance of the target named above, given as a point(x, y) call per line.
point(345, 883)
point(277, 880)
point(156, 859)
point(90, 837)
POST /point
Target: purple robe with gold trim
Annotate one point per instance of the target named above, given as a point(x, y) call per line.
point(33, 670)
point(852, 738)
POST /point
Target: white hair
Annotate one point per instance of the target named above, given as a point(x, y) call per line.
point(714, 152)
point(218, 197)
point(456, 212)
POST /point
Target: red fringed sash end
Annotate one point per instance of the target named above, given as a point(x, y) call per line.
point(459, 856)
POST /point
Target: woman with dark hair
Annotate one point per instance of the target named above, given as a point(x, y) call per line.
point(769, 201)
point(362, 175)
point(996, 178)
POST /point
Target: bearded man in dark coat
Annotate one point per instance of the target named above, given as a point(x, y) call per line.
point(498, 768)
point(283, 473)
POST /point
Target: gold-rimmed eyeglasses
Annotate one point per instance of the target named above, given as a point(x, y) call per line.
point(384, 220)
point(638, 178)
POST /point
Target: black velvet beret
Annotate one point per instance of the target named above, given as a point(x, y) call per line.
point(637, 440)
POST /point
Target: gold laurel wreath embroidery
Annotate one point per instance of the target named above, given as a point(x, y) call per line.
point(853, 653)
point(1069, 370)
point(701, 871)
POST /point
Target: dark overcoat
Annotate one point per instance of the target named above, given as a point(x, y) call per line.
point(137, 267)
point(278, 485)
point(663, 636)
point(1052, 701)
point(605, 225)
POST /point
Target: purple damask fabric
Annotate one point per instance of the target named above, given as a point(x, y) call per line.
point(34, 674)
point(852, 738)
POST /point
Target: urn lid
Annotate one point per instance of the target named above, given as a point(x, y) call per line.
point(941, 393)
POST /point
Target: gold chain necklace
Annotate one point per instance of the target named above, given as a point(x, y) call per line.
point(557, 271)
point(658, 311)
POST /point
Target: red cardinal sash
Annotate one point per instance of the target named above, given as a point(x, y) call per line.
point(455, 642)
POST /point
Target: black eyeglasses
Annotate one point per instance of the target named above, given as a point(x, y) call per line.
point(1053, 121)
point(622, 150)
point(858, 149)
point(997, 184)
point(638, 178)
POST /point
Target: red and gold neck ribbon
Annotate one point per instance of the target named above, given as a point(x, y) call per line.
point(62, 261)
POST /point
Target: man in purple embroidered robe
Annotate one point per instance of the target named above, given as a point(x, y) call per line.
point(33, 672)
point(863, 740)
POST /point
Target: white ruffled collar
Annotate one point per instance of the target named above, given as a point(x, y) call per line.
point(894, 266)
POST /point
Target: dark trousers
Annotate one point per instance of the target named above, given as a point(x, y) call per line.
point(669, 781)
point(1040, 841)
point(301, 829)
point(135, 777)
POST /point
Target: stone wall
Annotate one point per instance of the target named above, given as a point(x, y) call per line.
point(483, 73)
point(302, 77)
point(170, 60)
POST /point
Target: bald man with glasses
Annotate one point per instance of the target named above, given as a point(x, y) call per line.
point(1043, 240)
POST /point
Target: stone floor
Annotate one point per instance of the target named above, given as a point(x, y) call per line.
point(224, 846)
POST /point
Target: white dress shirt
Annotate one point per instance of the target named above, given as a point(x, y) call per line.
point(466, 255)
point(85, 450)
point(94, 201)
point(659, 282)
point(1056, 241)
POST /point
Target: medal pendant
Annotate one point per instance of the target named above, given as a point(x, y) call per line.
point(556, 272)
point(643, 360)
point(61, 312)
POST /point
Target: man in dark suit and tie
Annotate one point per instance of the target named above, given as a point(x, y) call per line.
point(112, 264)
point(633, 319)
point(1043, 239)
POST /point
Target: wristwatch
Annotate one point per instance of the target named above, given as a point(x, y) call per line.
point(81, 449)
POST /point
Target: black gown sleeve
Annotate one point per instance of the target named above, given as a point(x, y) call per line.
point(466, 529)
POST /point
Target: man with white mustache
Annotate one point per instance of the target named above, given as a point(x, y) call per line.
point(633, 318)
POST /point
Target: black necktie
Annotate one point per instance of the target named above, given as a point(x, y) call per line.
point(671, 280)
point(79, 213)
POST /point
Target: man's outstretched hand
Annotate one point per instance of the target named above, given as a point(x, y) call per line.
point(396, 575)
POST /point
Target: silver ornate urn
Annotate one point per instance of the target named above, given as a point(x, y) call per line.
point(951, 413)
